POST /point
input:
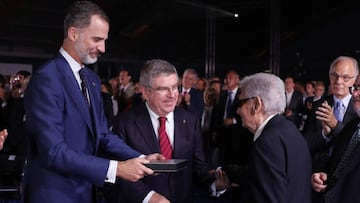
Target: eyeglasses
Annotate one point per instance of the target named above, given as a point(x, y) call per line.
point(164, 90)
point(353, 89)
point(335, 76)
point(243, 101)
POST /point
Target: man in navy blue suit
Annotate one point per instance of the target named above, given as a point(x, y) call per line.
point(139, 129)
point(280, 164)
point(66, 122)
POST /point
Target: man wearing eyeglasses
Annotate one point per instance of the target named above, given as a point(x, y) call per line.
point(280, 164)
point(141, 129)
point(331, 112)
point(338, 181)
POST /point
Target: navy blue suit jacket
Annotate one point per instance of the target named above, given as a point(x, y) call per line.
point(280, 166)
point(136, 129)
point(65, 138)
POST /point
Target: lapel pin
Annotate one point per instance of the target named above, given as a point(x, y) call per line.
point(93, 84)
point(184, 121)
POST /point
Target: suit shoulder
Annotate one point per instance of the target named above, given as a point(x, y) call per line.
point(280, 124)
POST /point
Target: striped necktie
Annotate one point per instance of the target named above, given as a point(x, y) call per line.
point(164, 141)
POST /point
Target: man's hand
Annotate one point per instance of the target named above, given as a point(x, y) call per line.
point(155, 156)
point(157, 198)
point(222, 181)
point(325, 114)
point(3, 135)
point(187, 98)
point(133, 169)
point(318, 180)
point(228, 121)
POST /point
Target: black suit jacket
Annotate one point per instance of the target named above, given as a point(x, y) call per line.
point(235, 141)
point(345, 187)
point(136, 129)
point(313, 131)
point(280, 166)
point(296, 106)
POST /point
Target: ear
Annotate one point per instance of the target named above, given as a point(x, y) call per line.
point(257, 104)
point(144, 92)
point(72, 34)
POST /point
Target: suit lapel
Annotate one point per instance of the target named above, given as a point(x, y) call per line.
point(180, 126)
point(144, 125)
point(74, 90)
point(350, 113)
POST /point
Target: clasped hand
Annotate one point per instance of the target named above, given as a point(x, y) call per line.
point(325, 114)
point(134, 169)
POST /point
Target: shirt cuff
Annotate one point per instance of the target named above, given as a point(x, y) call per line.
point(148, 196)
point(234, 121)
point(111, 173)
point(215, 193)
point(326, 138)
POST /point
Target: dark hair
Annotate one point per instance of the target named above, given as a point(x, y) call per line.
point(79, 15)
point(24, 73)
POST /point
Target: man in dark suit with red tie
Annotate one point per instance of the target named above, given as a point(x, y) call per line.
point(141, 129)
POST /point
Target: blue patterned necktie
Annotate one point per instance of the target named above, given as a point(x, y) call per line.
point(83, 85)
point(339, 111)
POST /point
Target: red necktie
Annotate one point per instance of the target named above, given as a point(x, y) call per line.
point(164, 141)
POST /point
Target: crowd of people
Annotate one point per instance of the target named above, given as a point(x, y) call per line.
point(253, 139)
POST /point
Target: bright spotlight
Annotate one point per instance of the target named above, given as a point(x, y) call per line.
point(236, 15)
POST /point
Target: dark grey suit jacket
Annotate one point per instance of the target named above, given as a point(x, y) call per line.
point(136, 129)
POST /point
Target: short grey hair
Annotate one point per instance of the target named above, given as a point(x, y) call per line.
point(345, 58)
point(269, 88)
point(154, 68)
point(191, 71)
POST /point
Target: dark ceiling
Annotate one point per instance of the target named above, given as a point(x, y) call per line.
point(170, 29)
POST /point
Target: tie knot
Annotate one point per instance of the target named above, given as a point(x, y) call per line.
point(82, 73)
point(339, 105)
point(162, 120)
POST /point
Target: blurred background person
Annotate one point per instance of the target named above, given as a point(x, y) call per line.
point(294, 101)
point(234, 140)
point(126, 91)
point(191, 98)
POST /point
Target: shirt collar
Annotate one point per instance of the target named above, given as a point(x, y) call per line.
point(154, 116)
point(234, 90)
point(261, 127)
point(345, 101)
